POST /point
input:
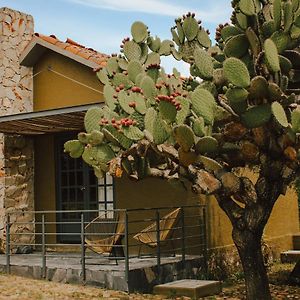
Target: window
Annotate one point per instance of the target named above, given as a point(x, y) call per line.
point(106, 195)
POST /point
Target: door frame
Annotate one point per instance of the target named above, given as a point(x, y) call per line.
point(86, 184)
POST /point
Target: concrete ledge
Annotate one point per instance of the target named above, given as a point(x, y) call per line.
point(290, 256)
point(190, 288)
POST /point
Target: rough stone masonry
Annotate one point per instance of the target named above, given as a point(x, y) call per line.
point(16, 152)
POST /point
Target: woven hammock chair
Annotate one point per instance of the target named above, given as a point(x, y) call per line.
point(111, 232)
point(148, 236)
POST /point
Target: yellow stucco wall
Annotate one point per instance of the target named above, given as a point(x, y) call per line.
point(44, 181)
point(51, 90)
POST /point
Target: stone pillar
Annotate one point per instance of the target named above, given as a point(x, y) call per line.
point(16, 88)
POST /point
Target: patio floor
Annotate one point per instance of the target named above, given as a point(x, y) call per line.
point(103, 271)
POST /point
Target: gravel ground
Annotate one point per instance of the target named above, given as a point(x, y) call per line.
point(20, 288)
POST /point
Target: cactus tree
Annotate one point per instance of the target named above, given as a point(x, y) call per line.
point(239, 108)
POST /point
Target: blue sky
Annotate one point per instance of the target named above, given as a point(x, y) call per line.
point(102, 24)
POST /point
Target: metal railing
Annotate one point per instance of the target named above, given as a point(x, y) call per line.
point(124, 235)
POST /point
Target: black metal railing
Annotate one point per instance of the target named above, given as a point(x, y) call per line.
point(123, 235)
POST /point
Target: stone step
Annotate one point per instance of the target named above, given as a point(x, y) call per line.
point(296, 241)
point(189, 288)
point(290, 256)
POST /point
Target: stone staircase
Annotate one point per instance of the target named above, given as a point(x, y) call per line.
point(292, 256)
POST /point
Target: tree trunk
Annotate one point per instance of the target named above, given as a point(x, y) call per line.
point(249, 247)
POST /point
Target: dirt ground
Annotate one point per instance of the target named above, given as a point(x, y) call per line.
point(14, 287)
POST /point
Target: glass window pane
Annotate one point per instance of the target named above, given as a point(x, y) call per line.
point(101, 193)
point(109, 179)
point(72, 180)
point(64, 179)
point(110, 193)
point(72, 195)
point(71, 163)
point(79, 178)
point(93, 194)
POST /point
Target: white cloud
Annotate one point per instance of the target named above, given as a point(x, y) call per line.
point(159, 7)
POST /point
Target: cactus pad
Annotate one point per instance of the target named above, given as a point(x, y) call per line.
point(133, 133)
point(167, 111)
point(277, 13)
point(132, 50)
point(242, 20)
point(184, 136)
point(229, 31)
point(140, 103)
point(237, 46)
point(210, 164)
point(271, 55)
point(295, 120)
point(237, 99)
point(92, 119)
point(287, 16)
point(198, 126)
point(116, 137)
point(207, 145)
point(185, 110)
point(256, 116)
point(247, 7)
point(95, 137)
point(109, 93)
point(190, 28)
point(124, 101)
point(148, 86)
point(134, 68)
point(139, 31)
point(258, 88)
point(175, 36)
point(274, 91)
point(103, 76)
point(74, 147)
point(279, 114)
point(204, 104)
point(153, 59)
point(203, 38)
point(154, 43)
point(165, 47)
point(281, 40)
point(236, 72)
point(112, 65)
point(204, 63)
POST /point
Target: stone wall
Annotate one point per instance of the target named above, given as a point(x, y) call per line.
point(16, 88)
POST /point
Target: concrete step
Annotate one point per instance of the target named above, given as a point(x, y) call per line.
point(290, 256)
point(296, 241)
point(189, 288)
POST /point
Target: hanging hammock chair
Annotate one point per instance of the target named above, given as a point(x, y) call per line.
point(148, 236)
point(104, 233)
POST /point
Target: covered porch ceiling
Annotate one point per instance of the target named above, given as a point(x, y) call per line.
point(46, 122)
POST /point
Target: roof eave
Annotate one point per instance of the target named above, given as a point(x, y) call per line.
point(37, 47)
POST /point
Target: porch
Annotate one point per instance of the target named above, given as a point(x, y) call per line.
point(177, 249)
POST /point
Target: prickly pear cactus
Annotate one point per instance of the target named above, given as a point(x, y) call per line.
point(246, 81)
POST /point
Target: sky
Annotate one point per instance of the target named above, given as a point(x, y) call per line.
point(102, 24)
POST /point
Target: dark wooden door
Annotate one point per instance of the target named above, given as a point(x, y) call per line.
point(76, 192)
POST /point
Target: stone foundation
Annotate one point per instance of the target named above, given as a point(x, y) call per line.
point(19, 194)
point(16, 88)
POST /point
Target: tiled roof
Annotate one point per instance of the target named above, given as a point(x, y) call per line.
point(75, 48)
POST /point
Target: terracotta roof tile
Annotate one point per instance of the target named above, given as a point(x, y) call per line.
point(75, 48)
point(85, 53)
point(49, 39)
